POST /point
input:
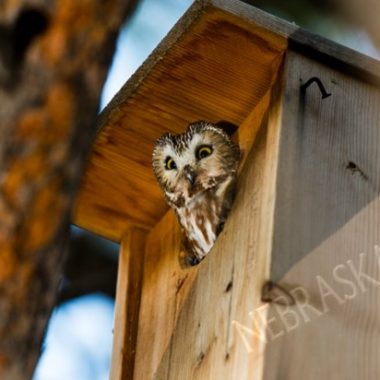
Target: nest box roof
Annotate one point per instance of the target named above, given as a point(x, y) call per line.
point(216, 64)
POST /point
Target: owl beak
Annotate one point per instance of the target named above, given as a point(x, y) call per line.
point(190, 175)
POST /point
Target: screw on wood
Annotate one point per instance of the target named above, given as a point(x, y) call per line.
point(355, 169)
point(274, 293)
point(228, 287)
point(321, 87)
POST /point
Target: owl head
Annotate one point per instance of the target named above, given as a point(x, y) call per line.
point(198, 160)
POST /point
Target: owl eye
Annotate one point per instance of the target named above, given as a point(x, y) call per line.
point(170, 164)
point(203, 151)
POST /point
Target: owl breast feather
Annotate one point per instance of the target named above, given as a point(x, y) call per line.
point(201, 220)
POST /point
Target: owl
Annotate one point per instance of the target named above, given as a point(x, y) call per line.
point(197, 173)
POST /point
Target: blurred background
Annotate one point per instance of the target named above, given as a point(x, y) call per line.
point(79, 338)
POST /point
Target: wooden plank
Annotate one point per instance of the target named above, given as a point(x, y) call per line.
point(128, 293)
point(305, 42)
point(191, 315)
point(327, 228)
point(212, 66)
point(166, 286)
point(216, 64)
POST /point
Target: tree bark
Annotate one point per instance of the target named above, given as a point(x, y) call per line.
point(54, 55)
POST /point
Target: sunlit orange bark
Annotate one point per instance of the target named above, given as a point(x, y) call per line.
point(53, 60)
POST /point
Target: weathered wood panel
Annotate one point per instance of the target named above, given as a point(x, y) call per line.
point(212, 66)
point(215, 64)
point(327, 229)
point(165, 287)
point(191, 316)
point(303, 41)
point(128, 296)
point(161, 298)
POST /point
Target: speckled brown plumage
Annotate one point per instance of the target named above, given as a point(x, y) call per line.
point(197, 173)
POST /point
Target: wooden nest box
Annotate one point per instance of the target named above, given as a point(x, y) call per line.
point(306, 216)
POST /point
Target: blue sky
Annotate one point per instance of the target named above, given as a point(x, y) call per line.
point(151, 22)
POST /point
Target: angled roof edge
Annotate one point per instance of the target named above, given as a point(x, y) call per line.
point(300, 40)
point(187, 19)
point(190, 75)
point(305, 42)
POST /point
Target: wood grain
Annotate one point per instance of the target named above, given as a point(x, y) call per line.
point(166, 286)
point(305, 42)
point(190, 315)
point(327, 228)
point(212, 66)
point(216, 64)
point(308, 201)
point(128, 295)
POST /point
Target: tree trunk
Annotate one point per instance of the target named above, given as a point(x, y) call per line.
point(54, 55)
